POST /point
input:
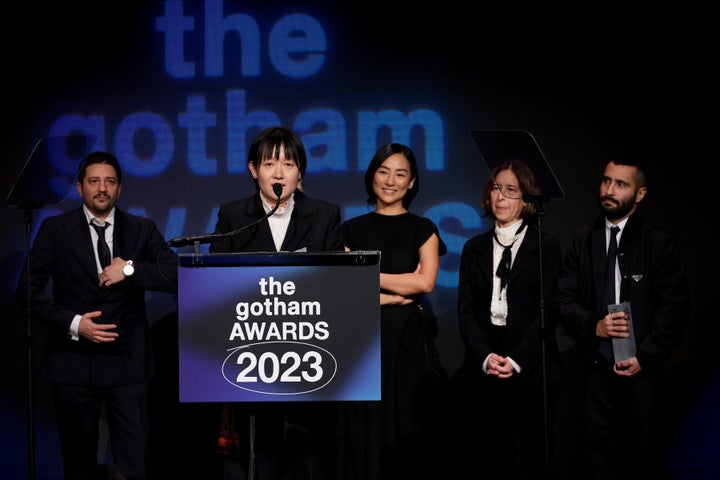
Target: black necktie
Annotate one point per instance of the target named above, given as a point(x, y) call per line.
point(102, 247)
point(609, 291)
point(605, 345)
point(504, 265)
point(503, 268)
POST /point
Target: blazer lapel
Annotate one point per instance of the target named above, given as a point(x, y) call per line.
point(299, 226)
point(79, 232)
point(120, 234)
point(597, 254)
point(630, 234)
point(522, 258)
point(263, 239)
point(125, 236)
point(485, 252)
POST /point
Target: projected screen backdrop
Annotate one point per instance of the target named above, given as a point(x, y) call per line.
point(178, 89)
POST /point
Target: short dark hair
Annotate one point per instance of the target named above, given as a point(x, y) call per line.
point(99, 157)
point(268, 143)
point(628, 159)
point(527, 183)
point(380, 156)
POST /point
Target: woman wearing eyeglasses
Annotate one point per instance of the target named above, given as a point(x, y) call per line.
point(499, 399)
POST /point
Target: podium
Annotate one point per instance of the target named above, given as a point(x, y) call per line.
point(279, 327)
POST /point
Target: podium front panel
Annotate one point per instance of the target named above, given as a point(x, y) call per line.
point(279, 327)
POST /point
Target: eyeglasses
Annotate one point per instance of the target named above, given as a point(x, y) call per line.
point(508, 191)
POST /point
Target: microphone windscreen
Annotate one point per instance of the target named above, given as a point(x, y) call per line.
point(277, 189)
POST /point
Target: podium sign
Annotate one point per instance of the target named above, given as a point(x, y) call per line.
point(282, 327)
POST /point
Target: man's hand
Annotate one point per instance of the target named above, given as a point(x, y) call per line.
point(113, 273)
point(628, 368)
point(96, 332)
point(613, 325)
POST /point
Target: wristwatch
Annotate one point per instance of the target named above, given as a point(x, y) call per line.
point(128, 269)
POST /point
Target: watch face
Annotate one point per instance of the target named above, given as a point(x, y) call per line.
point(128, 269)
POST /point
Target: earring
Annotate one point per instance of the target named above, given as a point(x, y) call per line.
point(411, 185)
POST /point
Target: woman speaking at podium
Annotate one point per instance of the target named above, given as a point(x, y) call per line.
point(294, 222)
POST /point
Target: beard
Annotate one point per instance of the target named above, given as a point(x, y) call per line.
point(621, 208)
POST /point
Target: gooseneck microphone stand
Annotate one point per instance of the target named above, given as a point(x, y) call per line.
point(196, 240)
point(538, 200)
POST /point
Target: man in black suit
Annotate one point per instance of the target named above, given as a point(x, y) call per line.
point(277, 162)
point(623, 396)
point(98, 347)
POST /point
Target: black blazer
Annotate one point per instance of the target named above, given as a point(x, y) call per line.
point(63, 254)
point(314, 226)
point(523, 297)
point(653, 281)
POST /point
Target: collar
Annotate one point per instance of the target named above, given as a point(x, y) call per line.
point(89, 217)
point(621, 224)
point(283, 209)
point(511, 231)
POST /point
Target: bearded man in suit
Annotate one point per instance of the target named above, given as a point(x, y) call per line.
point(100, 262)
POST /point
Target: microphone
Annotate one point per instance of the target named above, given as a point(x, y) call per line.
point(209, 237)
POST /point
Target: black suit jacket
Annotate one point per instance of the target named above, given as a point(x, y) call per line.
point(653, 281)
point(63, 255)
point(314, 226)
point(523, 331)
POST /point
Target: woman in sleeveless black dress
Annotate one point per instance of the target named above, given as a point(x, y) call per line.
point(402, 436)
